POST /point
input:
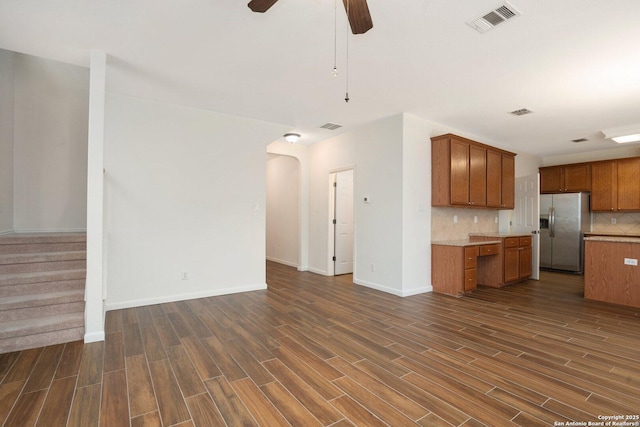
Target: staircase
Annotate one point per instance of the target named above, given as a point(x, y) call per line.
point(42, 281)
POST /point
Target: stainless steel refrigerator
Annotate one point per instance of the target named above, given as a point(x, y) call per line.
point(564, 218)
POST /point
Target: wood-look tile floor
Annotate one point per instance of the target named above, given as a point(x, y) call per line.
point(318, 351)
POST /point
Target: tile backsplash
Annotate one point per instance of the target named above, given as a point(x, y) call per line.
point(443, 226)
point(625, 223)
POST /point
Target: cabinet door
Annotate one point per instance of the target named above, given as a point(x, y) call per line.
point(477, 176)
point(603, 186)
point(508, 181)
point(459, 172)
point(494, 179)
point(551, 180)
point(628, 185)
point(525, 262)
point(577, 178)
point(511, 261)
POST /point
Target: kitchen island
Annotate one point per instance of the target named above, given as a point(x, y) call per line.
point(611, 271)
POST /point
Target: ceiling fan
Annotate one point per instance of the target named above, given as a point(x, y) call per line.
point(357, 11)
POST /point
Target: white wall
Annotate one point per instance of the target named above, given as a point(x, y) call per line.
point(283, 209)
point(416, 189)
point(185, 192)
point(50, 145)
point(375, 153)
point(6, 140)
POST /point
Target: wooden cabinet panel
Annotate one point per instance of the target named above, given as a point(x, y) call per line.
point(577, 177)
point(470, 280)
point(492, 249)
point(477, 176)
point(467, 173)
point(525, 262)
point(494, 179)
point(551, 180)
point(606, 277)
point(603, 186)
point(470, 257)
point(511, 261)
point(565, 178)
point(459, 173)
point(508, 181)
point(628, 185)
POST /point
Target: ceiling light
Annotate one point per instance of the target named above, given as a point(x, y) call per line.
point(291, 137)
point(623, 134)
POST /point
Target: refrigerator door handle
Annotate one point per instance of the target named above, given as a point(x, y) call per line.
point(552, 221)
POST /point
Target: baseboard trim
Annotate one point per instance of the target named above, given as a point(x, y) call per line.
point(393, 291)
point(94, 337)
point(417, 291)
point(182, 297)
point(283, 262)
point(6, 232)
point(318, 271)
point(301, 268)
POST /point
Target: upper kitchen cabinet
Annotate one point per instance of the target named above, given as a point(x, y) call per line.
point(468, 173)
point(615, 185)
point(566, 178)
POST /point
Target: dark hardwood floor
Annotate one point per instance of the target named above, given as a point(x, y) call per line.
point(321, 351)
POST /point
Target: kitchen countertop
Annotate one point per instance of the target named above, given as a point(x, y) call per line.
point(500, 235)
point(463, 242)
point(619, 239)
point(595, 233)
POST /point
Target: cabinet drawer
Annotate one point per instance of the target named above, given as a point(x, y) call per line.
point(511, 242)
point(489, 249)
point(470, 257)
point(525, 241)
point(470, 279)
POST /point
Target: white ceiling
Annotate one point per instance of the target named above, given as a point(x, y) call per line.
point(575, 63)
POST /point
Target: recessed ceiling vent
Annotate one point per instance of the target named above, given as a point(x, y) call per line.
point(580, 140)
point(521, 112)
point(330, 126)
point(497, 16)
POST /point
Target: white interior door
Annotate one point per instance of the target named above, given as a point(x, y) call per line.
point(343, 229)
point(526, 215)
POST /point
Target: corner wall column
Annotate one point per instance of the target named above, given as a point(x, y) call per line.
point(94, 305)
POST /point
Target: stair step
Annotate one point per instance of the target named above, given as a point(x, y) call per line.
point(27, 258)
point(42, 266)
point(40, 299)
point(40, 332)
point(39, 277)
point(48, 310)
point(39, 325)
point(42, 242)
point(42, 287)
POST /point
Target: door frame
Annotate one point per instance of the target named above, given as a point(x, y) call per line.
point(331, 227)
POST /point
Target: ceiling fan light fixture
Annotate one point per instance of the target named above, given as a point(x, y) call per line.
point(292, 137)
point(623, 134)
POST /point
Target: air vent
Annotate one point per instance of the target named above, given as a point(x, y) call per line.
point(497, 16)
point(521, 112)
point(580, 140)
point(330, 126)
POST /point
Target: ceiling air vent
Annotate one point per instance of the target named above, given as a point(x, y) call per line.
point(497, 16)
point(580, 140)
point(521, 112)
point(330, 126)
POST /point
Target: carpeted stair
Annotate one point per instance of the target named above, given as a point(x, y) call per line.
point(42, 281)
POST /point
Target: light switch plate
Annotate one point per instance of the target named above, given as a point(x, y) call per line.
point(630, 261)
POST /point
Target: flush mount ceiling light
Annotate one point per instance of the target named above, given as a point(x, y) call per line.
point(623, 134)
point(291, 137)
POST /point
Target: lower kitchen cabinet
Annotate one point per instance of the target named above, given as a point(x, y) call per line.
point(515, 264)
point(454, 267)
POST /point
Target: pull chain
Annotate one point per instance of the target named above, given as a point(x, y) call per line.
point(334, 72)
point(346, 98)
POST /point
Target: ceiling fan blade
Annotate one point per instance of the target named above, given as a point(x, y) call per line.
point(261, 5)
point(359, 16)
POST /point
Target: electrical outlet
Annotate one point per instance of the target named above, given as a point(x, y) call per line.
point(372, 267)
point(475, 219)
point(496, 220)
point(185, 275)
point(631, 261)
point(613, 221)
point(455, 219)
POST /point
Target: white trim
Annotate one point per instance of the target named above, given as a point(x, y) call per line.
point(93, 337)
point(417, 291)
point(182, 297)
point(6, 232)
point(318, 271)
point(281, 261)
point(303, 268)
